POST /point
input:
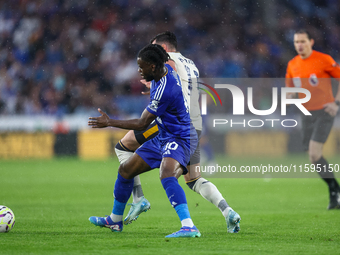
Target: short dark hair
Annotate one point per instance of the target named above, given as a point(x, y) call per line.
point(154, 54)
point(166, 37)
point(304, 31)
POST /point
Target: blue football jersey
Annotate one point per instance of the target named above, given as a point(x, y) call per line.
point(168, 104)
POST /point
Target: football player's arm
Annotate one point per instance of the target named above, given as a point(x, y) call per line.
point(334, 70)
point(135, 124)
point(337, 97)
point(333, 107)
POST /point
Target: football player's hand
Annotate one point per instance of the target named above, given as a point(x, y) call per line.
point(99, 122)
point(331, 108)
point(147, 84)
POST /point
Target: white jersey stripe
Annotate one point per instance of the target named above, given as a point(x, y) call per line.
point(163, 87)
point(160, 89)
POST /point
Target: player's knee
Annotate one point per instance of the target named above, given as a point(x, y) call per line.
point(191, 184)
point(196, 185)
point(314, 156)
point(315, 151)
point(123, 154)
point(125, 172)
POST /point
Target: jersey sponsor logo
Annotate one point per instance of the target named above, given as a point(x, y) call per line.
point(313, 80)
point(154, 105)
point(186, 60)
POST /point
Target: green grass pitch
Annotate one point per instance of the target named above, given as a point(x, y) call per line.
point(53, 199)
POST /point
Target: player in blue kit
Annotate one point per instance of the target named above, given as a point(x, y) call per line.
point(170, 150)
point(188, 74)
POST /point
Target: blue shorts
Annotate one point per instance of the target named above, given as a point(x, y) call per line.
point(153, 151)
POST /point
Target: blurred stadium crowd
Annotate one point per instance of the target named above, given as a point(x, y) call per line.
point(71, 57)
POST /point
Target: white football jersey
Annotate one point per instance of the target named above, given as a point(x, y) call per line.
point(189, 74)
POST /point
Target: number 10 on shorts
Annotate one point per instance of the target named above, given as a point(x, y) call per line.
point(171, 146)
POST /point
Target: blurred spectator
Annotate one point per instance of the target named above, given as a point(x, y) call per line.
point(71, 57)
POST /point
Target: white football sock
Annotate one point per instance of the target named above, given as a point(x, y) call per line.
point(225, 211)
point(123, 155)
point(137, 192)
point(116, 218)
point(187, 223)
point(209, 191)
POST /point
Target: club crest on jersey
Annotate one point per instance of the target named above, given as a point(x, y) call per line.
point(154, 105)
point(313, 80)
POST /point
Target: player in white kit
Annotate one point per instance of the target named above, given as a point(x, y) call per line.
point(189, 75)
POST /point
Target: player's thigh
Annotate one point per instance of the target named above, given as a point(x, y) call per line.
point(145, 135)
point(321, 131)
point(151, 153)
point(170, 167)
point(133, 139)
point(194, 164)
point(134, 166)
point(130, 141)
point(322, 127)
point(179, 150)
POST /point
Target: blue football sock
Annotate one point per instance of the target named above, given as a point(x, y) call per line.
point(122, 192)
point(176, 197)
